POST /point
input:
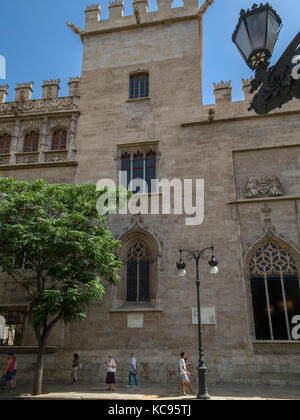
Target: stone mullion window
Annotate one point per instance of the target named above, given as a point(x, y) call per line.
point(275, 292)
point(138, 274)
point(142, 166)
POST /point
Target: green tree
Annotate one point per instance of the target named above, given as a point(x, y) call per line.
point(55, 245)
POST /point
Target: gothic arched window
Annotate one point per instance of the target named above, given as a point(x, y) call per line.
point(31, 142)
point(59, 140)
point(138, 273)
point(5, 142)
point(275, 292)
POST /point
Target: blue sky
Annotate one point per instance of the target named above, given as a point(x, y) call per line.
point(38, 45)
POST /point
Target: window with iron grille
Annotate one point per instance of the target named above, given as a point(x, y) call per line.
point(5, 142)
point(31, 142)
point(139, 86)
point(138, 273)
point(14, 321)
point(275, 292)
point(59, 140)
point(139, 165)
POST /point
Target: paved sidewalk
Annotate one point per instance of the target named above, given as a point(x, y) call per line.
point(151, 392)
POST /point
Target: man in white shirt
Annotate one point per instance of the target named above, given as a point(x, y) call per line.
point(184, 374)
point(132, 371)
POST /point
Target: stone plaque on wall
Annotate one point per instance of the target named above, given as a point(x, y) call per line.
point(208, 316)
point(135, 321)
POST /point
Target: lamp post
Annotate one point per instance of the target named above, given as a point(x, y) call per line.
point(255, 37)
point(181, 266)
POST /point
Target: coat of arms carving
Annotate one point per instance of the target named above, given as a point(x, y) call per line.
point(263, 187)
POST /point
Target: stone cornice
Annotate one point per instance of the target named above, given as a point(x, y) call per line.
point(37, 165)
point(264, 199)
point(238, 118)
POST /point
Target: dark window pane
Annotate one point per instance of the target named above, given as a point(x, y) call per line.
point(150, 169)
point(31, 142)
point(144, 281)
point(138, 169)
point(126, 167)
point(5, 142)
point(292, 293)
point(59, 140)
point(139, 86)
point(277, 309)
point(131, 281)
point(260, 309)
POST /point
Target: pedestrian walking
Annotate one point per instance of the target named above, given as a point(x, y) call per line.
point(10, 369)
point(132, 371)
point(75, 368)
point(111, 370)
point(184, 374)
point(187, 364)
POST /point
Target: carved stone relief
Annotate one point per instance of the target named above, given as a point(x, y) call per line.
point(263, 187)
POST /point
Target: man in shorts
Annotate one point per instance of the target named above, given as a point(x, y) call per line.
point(10, 370)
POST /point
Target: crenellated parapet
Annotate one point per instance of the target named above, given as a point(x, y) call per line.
point(246, 83)
point(116, 9)
point(141, 14)
point(50, 89)
point(49, 103)
point(74, 83)
point(92, 14)
point(223, 92)
point(23, 92)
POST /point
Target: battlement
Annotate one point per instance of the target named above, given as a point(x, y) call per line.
point(50, 89)
point(223, 92)
point(49, 101)
point(141, 14)
point(246, 88)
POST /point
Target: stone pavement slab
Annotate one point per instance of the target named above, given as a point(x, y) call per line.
point(156, 392)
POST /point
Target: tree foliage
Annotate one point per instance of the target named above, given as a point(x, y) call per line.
point(56, 246)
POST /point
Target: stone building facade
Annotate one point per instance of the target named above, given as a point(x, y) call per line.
point(138, 107)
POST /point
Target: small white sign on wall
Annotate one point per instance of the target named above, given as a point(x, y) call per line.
point(208, 316)
point(135, 321)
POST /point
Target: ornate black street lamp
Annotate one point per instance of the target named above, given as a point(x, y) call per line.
point(181, 266)
point(255, 37)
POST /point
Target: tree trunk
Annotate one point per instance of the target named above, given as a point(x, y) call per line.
point(38, 380)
